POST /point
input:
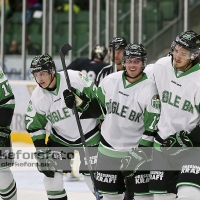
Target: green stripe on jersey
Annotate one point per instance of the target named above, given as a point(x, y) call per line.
point(38, 137)
point(55, 193)
point(90, 142)
point(144, 77)
point(37, 122)
point(146, 143)
point(90, 91)
point(189, 71)
point(101, 96)
point(157, 146)
point(111, 152)
point(10, 106)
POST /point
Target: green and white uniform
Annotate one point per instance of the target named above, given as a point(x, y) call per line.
point(132, 112)
point(8, 188)
point(49, 106)
point(180, 110)
point(180, 96)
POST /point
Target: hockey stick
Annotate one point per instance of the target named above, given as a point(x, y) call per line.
point(113, 57)
point(63, 51)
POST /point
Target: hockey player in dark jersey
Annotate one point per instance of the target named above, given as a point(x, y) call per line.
point(91, 67)
point(120, 44)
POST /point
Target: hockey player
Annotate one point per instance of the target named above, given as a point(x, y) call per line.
point(91, 67)
point(177, 80)
point(47, 106)
point(8, 188)
point(120, 44)
point(129, 120)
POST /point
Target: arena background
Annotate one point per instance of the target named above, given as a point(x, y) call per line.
point(45, 25)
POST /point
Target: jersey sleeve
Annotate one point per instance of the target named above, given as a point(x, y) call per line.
point(35, 121)
point(83, 84)
point(151, 116)
point(7, 101)
point(197, 100)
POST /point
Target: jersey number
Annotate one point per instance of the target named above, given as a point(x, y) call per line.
point(4, 86)
point(30, 121)
point(154, 123)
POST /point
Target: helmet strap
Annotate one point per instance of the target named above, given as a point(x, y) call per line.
point(52, 78)
point(126, 74)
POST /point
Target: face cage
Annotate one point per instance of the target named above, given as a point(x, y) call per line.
point(143, 58)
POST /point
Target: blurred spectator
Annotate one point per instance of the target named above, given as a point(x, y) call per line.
point(83, 4)
point(31, 49)
point(15, 5)
point(65, 8)
point(14, 48)
point(34, 5)
point(7, 8)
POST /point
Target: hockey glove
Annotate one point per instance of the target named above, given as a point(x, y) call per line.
point(131, 162)
point(46, 162)
point(4, 137)
point(74, 95)
point(176, 143)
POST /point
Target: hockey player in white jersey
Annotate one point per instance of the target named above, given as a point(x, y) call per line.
point(8, 188)
point(47, 106)
point(178, 83)
point(129, 104)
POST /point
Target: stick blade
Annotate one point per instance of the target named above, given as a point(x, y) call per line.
point(65, 48)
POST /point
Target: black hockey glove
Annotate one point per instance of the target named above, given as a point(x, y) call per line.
point(46, 162)
point(131, 162)
point(5, 137)
point(176, 143)
point(72, 95)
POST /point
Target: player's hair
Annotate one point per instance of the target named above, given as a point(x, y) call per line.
point(99, 51)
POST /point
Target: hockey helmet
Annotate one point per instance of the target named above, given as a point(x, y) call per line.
point(188, 40)
point(120, 43)
point(42, 62)
point(135, 51)
point(99, 51)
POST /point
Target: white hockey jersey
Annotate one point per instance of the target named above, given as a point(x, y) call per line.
point(179, 95)
point(131, 109)
point(49, 106)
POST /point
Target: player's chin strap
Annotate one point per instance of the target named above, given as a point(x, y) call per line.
point(126, 74)
point(186, 66)
point(52, 78)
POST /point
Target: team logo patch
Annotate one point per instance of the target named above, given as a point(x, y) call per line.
point(30, 107)
point(134, 46)
point(155, 102)
point(187, 36)
point(1, 74)
point(83, 77)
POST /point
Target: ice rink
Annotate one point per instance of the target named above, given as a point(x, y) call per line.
point(30, 182)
